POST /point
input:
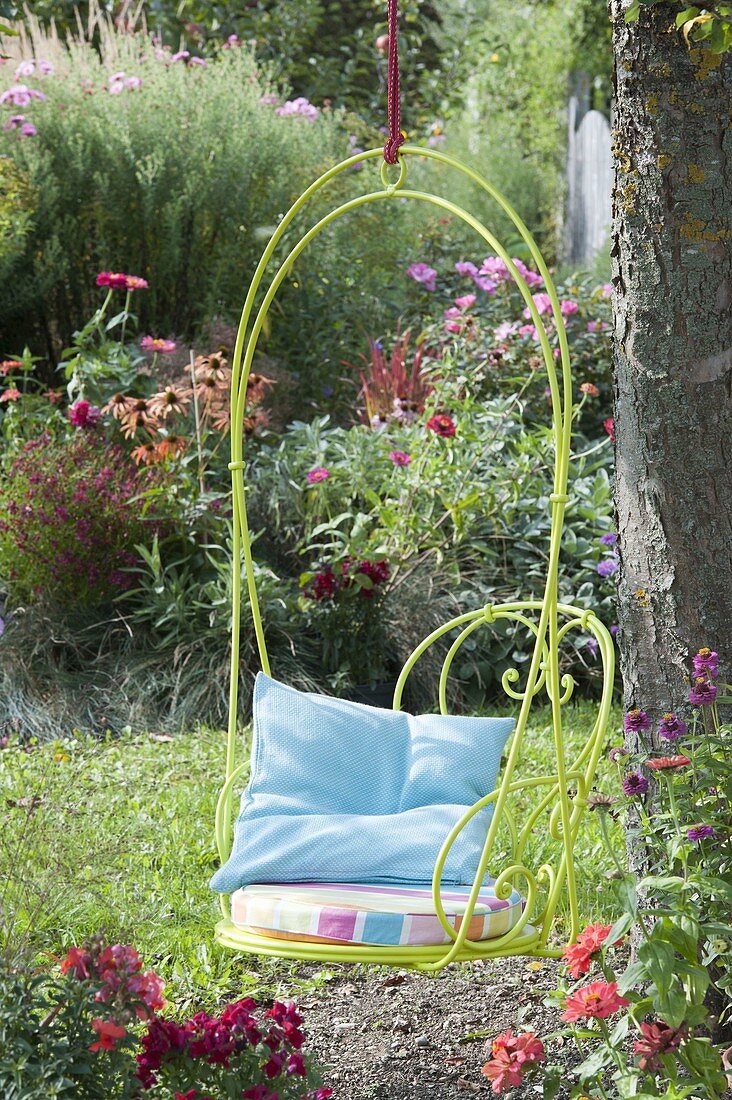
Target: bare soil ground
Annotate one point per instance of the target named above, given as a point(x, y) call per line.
point(378, 1035)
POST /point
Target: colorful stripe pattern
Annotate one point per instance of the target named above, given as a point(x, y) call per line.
point(387, 915)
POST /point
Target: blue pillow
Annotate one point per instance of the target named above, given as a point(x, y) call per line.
point(344, 792)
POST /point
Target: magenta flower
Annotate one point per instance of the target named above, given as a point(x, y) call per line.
point(423, 274)
point(441, 424)
point(636, 720)
point(316, 475)
point(400, 458)
point(706, 663)
point(597, 326)
point(568, 307)
point(700, 832)
point(466, 269)
point(529, 330)
point(609, 539)
point(300, 106)
point(635, 783)
point(156, 344)
point(454, 320)
point(84, 415)
point(117, 280)
point(703, 692)
point(671, 727)
point(607, 567)
point(465, 301)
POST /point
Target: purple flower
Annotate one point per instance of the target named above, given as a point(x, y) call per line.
point(700, 832)
point(300, 106)
point(671, 727)
point(635, 783)
point(607, 567)
point(495, 267)
point(400, 458)
point(609, 539)
point(616, 753)
point(20, 95)
point(636, 720)
point(615, 630)
point(316, 475)
point(485, 284)
point(466, 269)
point(706, 663)
point(703, 692)
point(505, 329)
point(423, 274)
point(593, 646)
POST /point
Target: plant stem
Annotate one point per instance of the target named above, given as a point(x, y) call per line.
point(609, 845)
point(197, 420)
point(124, 318)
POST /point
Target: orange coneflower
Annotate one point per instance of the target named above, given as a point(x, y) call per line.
point(119, 405)
point(171, 401)
point(138, 415)
point(169, 447)
point(215, 364)
point(256, 386)
point(144, 454)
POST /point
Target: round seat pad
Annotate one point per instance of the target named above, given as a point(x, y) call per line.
point(370, 914)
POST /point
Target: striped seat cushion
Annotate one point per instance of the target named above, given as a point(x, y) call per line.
point(323, 912)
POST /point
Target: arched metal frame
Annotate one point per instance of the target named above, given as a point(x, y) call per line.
point(561, 795)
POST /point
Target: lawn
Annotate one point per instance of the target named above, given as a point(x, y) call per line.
point(116, 836)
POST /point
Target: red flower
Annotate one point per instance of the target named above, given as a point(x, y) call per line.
point(511, 1055)
point(609, 426)
point(441, 424)
point(78, 960)
point(589, 389)
point(595, 1001)
point(113, 279)
point(661, 763)
point(109, 1033)
point(658, 1038)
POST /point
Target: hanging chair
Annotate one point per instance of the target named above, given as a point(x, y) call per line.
point(531, 822)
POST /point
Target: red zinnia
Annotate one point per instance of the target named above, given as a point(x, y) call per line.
point(658, 1038)
point(441, 424)
point(109, 1033)
point(661, 763)
point(594, 1002)
point(578, 956)
point(609, 426)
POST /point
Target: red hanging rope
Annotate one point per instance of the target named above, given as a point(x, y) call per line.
point(393, 107)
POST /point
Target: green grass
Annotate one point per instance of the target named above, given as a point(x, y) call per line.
point(117, 836)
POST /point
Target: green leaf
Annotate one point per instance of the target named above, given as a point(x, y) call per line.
point(552, 1082)
point(685, 15)
point(632, 976)
point(622, 925)
point(594, 1064)
point(628, 895)
point(631, 15)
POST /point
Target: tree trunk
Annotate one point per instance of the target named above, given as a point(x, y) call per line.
point(672, 276)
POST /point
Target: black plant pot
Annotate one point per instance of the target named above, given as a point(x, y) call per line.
point(374, 695)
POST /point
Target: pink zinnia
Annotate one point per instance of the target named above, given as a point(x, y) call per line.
point(157, 344)
point(595, 1001)
point(400, 458)
point(423, 274)
point(136, 282)
point(115, 280)
point(318, 474)
point(511, 1056)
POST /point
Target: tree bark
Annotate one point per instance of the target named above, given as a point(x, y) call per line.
point(672, 278)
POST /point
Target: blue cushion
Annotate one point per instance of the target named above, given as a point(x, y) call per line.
point(344, 792)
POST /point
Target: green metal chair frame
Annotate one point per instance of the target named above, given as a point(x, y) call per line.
point(561, 795)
